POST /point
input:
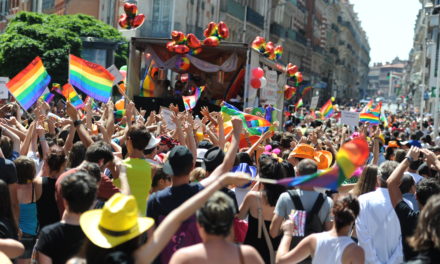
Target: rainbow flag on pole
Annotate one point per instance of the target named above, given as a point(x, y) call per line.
point(72, 96)
point(367, 107)
point(29, 84)
point(148, 86)
point(350, 156)
point(255, 125)
point(327, 109)
point(299, 104)
point(191, 100)
point(93, 79)
point(369, 117)
point(47, 96)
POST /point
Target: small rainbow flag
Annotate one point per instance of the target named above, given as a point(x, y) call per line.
point(299, 104)
point(93, 79)
point(148, 87)
point(72, 96)
point(350, 156)
point(376, 111)
point(191, 100)
point(306, 90)
point(369, 117)
point(327, 109)
point(255, 125)
point(119, 114)
point(29, 84)
point(94, 104)
point(367, 106)
point(47, 96)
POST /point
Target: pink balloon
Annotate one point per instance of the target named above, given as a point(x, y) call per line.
point(257, 73)
point(256, 83)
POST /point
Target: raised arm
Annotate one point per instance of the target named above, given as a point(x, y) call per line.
point(299, 253)
point(82, 132)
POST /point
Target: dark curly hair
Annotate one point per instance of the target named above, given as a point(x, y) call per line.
point(427, 188)
point(271, 168)
point(345, 210)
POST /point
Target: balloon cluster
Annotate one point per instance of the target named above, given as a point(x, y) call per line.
point(258, 80)
point(268, 49)
point(292, 72)
point(183, 63)
point(131, 19)
point(182, 44)
point(289, 92)
point(214, 33)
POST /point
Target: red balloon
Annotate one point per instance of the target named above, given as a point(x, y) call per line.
point(270, 48)
point(123, 23)
point(299, 77)
point(209, 29)
point(256, 83)
point(177, 36)
point(170, 46)
point(192, 41)
point(130, 9)
point(223, 30)
point(257, 73)
point(181, 49)
point(292, 69)
point(211, 41)
point(138, 20)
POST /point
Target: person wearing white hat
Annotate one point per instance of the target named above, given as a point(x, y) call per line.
point(150, 151)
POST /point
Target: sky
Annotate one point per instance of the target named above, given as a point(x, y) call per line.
point(389, 25)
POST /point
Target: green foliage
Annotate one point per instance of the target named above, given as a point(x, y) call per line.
point(52, 37)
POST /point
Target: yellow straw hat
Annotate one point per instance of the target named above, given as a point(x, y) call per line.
point(116, 223)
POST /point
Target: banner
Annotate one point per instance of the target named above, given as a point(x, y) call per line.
point(314, 102)
point(269, 93)
point(350, 118)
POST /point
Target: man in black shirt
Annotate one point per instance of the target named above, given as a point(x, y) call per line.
point(59, 242)
point(424, 190)
point(9, 176)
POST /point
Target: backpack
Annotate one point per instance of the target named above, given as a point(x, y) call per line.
point(313, 223)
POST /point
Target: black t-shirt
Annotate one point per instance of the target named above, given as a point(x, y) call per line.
point(8, 172)
point(161, 203)
point(7, 229)
point(60, 241)
point(47, 206)
point(408, 222)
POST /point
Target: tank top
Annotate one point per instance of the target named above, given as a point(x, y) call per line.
point(330, 249)
point(47, 206)
point(28, 216)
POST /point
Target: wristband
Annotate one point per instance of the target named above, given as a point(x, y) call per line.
point(409, 158)
point(42, 139)
point(77, 123)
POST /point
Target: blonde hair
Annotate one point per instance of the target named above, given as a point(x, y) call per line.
point(367, 182)
point(197, 174)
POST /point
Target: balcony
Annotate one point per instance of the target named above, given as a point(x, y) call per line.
point(255, 18)
point(233, 8)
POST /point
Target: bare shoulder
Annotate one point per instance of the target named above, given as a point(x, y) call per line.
point(250, 254)
point(187, 254)
point(353, 254)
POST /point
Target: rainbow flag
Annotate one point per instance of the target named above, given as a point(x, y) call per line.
point(29, 84)
point(147, 87)
point(299, 104)
point(119, 114)
point(94, 104)
point(93, 79)
point(306, 90)
point(191, 100)
point(350, 156)
point(255, 125)
point(327, 109)
point(270, 114)
point(47, 96)
point(72, 96)
point(367, 106)
point(369, 117)
point(376, 111)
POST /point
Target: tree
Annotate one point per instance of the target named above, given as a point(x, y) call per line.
point(52, 37)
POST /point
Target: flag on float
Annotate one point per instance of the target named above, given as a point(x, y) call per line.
point(91, 78)
point(47, 96)
point(255, 125)
point(369, 117)
point(298, 104)
point(148, 86)
point(350, 156)
point(327, 109)
point(29, 84)
point(72, 96)
point(191, 100)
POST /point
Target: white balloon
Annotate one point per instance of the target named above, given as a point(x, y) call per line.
point(263, 81)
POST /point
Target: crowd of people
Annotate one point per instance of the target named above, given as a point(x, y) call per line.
point(80, 186)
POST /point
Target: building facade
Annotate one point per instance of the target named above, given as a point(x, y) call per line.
point(387, 80)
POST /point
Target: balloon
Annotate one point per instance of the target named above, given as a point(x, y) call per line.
point(270, 49)
point(258, 43)
point(299, 77)
point(170, 46)
point(184, 77)
point(192, 41)
point(333, 99)
point(256, 83)
point(223, 30)
point(211, 41)
point(263, 82)
point(130, 9)
point(138, 20)
point(210, 29)
point(279, 52)
point(289, 92)
point(183, 63)
point(177, 36)
point(123, 23)
point(257, 73)
point(123, 68)
point(292, 69)
point(181, 49)
point(195, 51)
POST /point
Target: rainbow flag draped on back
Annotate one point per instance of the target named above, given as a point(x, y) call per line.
point(72, 96)
point(255, 125)
point(191, 100)
point(369, 117)
point(327, 109)
point(148, 86)
point(93, 79)
point(350, 156)
point(29, 84)
point(299, 104)
point(47, 96)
